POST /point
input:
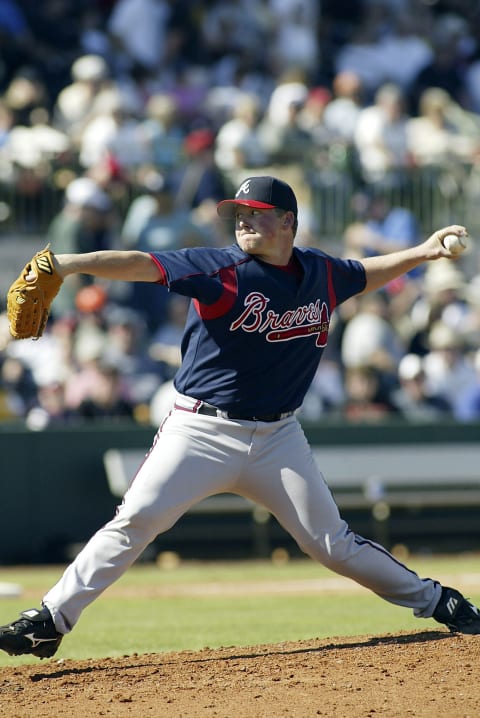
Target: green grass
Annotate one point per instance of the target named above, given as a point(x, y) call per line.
point(121, 623)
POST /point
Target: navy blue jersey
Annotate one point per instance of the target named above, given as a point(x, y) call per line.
point(255, 334)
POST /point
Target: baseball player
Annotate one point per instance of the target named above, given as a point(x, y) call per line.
point(256, 329)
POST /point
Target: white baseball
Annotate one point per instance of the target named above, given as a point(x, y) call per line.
point(455, 243)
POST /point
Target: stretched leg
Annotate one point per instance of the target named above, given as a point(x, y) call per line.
point(180, 469)
point(284, 477)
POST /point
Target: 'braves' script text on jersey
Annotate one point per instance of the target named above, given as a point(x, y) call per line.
point(301, 322)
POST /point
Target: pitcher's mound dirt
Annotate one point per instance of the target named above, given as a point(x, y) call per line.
point(421, 674)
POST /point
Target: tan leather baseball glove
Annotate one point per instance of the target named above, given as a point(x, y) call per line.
point(30, 296)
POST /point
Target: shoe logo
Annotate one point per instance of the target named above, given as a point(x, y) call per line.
point(37, 641)
point(452, 603)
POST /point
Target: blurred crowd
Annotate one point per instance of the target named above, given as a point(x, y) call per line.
point(140, 115)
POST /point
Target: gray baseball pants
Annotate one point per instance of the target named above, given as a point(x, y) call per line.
point(195, 456)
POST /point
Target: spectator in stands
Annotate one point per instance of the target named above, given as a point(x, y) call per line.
point(87, 207)
point(36, 146)
point(25, 92)
point(437, 138)
point(238, 144)
point(470, 322)
point(48, 361)
point(331, 122)
point(326, 395)
point(17, 386)
point(88, 349)
point(405, 47)
point(369, 338)
point(188, 87)
point(138, 31)
point(32, 154)
point(223, 35)
point(149, 183)
point(381, 138)
point(168, 227)
point(106, 399)
point(446, 70)
point(362, 52)
point(115, 128)
point(339, 20)
point(50, 408)
point(468, 404)
point(17, 40)
point(55, 45)
point(444, 292)
point(295, 41)
point(199, 179)
point(30, 145)
point(111, 373)
point(366, 397)
point(152, 222)
point(291, 86)
point(163, 132)
point(448, 369)
point(126, 349)
point(84, 223)
point(312, 115)
point(280, 131)
point(472, 83)
point(341, 113)
point(92, 35)
point(380, 228)
point(73, 106)
point(165, 344)
point(442, 299)
point(412, 398)
point(6, 123)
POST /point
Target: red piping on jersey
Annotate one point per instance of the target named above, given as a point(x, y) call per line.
point(228, 277)
point(331, 291)
point(161, 269)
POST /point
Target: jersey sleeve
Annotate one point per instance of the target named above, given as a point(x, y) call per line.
point(347, 278)
point(195, 272)
point(344, 277)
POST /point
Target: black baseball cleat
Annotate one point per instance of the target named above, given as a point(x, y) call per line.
point(34, 633)
point(457, 613)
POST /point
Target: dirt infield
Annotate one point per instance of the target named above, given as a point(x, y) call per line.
point(425, 674)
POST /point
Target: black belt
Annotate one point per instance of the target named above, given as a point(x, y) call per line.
point(210, 410)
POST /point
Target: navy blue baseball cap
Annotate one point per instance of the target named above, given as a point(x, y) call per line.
point(261, 193)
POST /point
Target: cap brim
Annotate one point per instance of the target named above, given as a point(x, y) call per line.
point(226, 208)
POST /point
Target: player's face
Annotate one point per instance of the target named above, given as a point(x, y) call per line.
point(261, 232)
